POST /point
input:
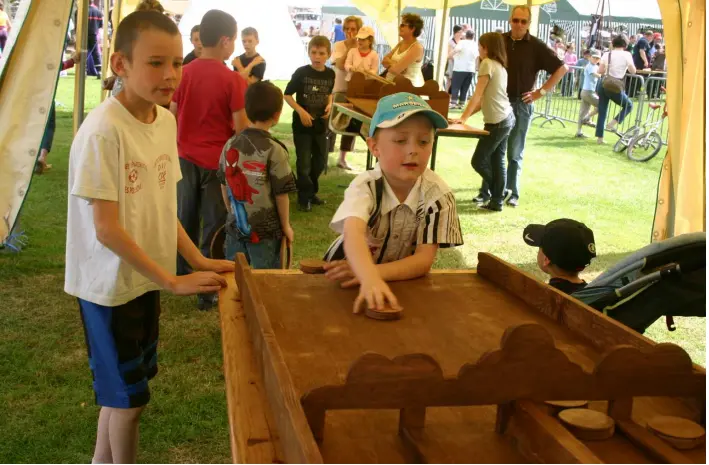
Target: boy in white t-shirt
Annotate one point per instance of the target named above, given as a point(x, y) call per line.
point(395, 217)
point(122, 229)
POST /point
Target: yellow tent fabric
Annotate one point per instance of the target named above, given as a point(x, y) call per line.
point(681, 199)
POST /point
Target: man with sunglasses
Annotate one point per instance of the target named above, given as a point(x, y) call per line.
point(526, 56)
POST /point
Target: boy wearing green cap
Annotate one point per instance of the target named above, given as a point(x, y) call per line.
point(395, 217)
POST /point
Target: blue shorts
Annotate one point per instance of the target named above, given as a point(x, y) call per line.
point(122, 344)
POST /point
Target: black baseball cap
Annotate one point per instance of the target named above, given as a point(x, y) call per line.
point(567, 243)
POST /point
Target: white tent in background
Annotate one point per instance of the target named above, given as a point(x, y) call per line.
point(280, 44)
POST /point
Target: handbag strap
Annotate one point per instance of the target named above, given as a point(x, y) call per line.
point(608, 66)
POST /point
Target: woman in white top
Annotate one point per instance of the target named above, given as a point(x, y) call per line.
point(351, 26)
point(465, 57)
point(363, 58)
point(406, 59)
point(491, 97)
point(616, 63)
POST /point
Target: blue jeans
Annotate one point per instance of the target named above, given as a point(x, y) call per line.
point(265, 255)
point(515, 145)
point(604, 98)
point(489, 159)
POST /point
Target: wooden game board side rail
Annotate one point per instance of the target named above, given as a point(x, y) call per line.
point(543, 439)
point(298, 444)
point(528, 365)
point(251, 429)
point(585, 322)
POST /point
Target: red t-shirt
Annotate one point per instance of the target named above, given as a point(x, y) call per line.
point(206, 99)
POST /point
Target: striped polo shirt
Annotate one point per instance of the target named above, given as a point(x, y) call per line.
point(427, 216)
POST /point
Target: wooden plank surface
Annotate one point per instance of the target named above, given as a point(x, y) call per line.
point(365, 105)
point(251, 429)
point(296, 440)
point(319, 337)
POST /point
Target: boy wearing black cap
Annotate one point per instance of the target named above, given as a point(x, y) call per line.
point(566, 248)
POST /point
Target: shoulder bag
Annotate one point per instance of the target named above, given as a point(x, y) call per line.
point(611, 84)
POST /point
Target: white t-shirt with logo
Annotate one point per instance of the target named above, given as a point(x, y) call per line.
point(118, 158)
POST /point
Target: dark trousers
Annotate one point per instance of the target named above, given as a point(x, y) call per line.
point(311, 156)
point(515, 147)
point(3, 38)
point(199, 202)
point(567, 84)
point(93, 65)
point(460, 86)
point(489, 159)
point(48, 136)
point(604, 98)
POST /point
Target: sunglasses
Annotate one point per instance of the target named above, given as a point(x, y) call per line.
point(405, 25)
point(521, 21)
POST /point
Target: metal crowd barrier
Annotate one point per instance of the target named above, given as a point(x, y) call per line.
point(563, 104)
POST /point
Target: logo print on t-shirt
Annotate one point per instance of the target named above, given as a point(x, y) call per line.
point(161, 166)
point(134, 184)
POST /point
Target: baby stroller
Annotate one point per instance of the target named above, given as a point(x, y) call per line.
point(666, 278)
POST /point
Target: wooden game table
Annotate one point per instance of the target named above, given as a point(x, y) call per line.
point(362, 109)
point(460, 378)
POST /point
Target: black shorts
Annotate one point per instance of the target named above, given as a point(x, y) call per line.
point(122, 345)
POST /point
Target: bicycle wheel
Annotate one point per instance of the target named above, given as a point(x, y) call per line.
point(626, 138)
point(644, 147)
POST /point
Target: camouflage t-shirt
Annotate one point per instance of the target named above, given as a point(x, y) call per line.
point(254, 166)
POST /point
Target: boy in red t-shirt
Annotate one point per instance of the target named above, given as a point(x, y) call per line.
point(209, 106)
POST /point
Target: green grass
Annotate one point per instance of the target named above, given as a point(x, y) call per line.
point(47, 412)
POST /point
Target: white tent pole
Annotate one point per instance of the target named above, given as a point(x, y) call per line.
point(442, 41)
point(80, 76)
point(534, 20)
point(105, 64)
point(398, 13)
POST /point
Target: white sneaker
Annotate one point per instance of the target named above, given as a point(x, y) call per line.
point(600, 141)
point(612, 125)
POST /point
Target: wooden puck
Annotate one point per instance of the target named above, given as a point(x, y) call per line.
point(678, 432)
point(564, 404)
point(588, 424)
point(387, 313)
point(311, 266)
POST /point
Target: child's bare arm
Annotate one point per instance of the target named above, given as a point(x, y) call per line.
point(411, 267)
point(283, 207)
point(112, 235)
point(305, 117)
point(240, 121)
point(173, 108)
point(373, 290)
point(225, 198)
point(292, 103)
point(415, 266)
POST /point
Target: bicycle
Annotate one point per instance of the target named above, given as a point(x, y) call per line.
point(645, 146)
